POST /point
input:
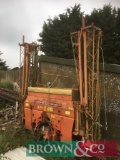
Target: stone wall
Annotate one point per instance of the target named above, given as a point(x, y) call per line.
point(60, 76)
point(110, 113)
point(61, 73)
point(110, 103)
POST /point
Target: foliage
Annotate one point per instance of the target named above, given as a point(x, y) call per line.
point(3, 66)
point(108, 19)
point(6, 84)
point(4, 103)
point(55, 37)
point(12, 138)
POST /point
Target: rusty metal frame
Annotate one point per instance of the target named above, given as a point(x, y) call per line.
point(86, 45)
point(28, 74)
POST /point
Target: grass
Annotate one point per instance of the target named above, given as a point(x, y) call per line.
point(6, 85)
point(13, 138)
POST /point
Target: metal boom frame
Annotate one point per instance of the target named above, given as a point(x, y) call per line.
point(28, 69)
point(86, 44)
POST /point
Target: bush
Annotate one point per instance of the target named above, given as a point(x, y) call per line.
point(13, 138)
point(6, 85)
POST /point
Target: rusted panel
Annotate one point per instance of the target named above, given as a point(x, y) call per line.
point(28, 118)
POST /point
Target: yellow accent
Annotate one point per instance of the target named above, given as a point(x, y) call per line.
point(44, 108)
point(50, 109)
point(27, 104)
point(52, 116)
point(67, 112)
point(50, 90)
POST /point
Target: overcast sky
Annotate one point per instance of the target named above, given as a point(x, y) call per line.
point(26, 17)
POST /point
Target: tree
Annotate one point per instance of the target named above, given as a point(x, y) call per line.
point(3, 65)
point(108, 19)
point(55, 37)
point(117, 38)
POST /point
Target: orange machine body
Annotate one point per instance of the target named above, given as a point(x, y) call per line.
point(51, 111)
